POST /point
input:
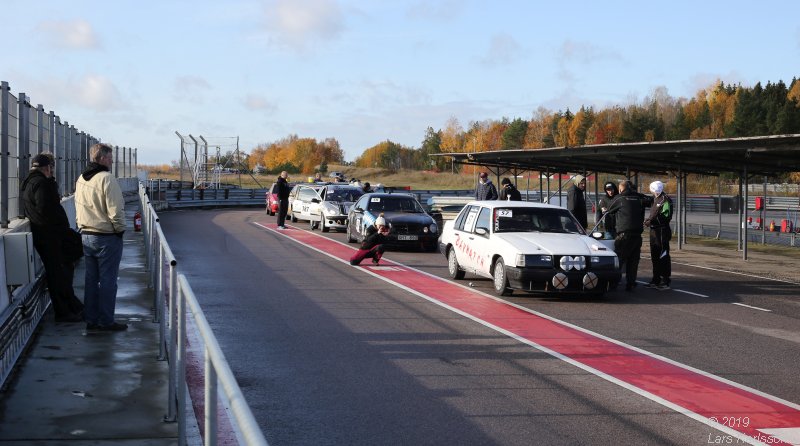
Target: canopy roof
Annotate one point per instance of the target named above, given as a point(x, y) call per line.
point(761, 155)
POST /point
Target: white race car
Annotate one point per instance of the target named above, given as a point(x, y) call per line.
point(527, 246)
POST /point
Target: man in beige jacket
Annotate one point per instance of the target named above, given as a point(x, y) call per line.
point(100, 215)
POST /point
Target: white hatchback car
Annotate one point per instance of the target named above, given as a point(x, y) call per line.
point(527, 246)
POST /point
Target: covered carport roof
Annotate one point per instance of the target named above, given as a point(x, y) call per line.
point(761, 155)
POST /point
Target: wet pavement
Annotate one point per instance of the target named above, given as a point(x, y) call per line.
point(93, 388)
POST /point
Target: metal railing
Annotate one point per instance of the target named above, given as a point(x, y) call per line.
point(173, 297)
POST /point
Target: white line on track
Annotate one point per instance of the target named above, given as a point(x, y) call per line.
point(676, 289)
point(750, 306)
point(738, 274)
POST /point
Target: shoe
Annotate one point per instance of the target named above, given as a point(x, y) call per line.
point(70, 317)
point(652, 284)
point(116, 326)
point(663, 286)
point(375, 261)
point(281, 227)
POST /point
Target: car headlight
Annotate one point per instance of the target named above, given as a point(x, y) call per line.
point(534, 260)
point(434, 228)
point(600, 262)
point(330, 209)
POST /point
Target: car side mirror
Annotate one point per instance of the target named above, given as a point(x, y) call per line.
point(481, 231)
point(597, 235)
point(358, 210)
point(315, 200)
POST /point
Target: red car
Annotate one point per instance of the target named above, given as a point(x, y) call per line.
point(272, 198)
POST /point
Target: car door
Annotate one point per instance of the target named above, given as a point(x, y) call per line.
point(355, 217)
point(315, 202)
point(481, 241)
point(463, 239)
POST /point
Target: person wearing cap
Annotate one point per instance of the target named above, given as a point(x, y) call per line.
point(627, 210)
point(372, 245)
point(100, 215)
point(41, 204)
point(660, 235)
point(609, 221)
point(576, 201)
point(485, 189)
point(508, 191)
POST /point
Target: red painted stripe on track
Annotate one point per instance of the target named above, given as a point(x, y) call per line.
point(704, 397)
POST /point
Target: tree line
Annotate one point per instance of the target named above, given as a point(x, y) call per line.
point(720, 111)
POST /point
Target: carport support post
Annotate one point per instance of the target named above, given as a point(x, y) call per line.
point(719, 206)
point(764, 213)
point(744, 229)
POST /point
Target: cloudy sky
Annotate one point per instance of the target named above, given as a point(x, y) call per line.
point(133, 73)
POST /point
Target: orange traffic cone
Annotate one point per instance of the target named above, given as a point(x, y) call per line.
point(772, 226)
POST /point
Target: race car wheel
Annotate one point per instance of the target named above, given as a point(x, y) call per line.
point(350, 238)
point(452, 265)
point(322, 224)
point(500, 280)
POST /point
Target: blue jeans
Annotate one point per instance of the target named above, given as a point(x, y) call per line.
point(102, 255)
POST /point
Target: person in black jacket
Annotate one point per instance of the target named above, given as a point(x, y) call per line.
point(576, 201)
point(41, 203)
point(372, 246)
point(609, 221)
point(508, 191)
point(283, 198)
point(628, 211)
point(485, 189)
point(660, 235)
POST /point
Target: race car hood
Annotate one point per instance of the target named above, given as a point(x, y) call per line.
point(407, 218)
point(553, 243)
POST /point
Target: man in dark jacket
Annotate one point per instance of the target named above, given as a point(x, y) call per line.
point(660, 235)
point(509, 192)
point(49, 225)
point(372, 246)
point(485, 190)
point(628, 210)
point(283, 198)
point(609, 221)
point(576, 202)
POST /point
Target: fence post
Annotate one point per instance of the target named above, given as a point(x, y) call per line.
point(24, 140)
point(4, 103)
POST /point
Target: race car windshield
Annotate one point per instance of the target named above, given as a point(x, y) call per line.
point(395, 204)
point(344, 195)
point(535, 220)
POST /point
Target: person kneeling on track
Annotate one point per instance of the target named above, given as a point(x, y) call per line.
point(372, 246)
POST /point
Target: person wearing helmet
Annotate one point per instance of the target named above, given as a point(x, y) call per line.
point(485, 189)
point(372, 245)
point(660, 235)
point(609, 221)
point(576, 201)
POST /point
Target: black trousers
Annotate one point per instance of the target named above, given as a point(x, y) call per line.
point(59, 285)
point(283, 208)
point(628, 246)
point(659, 253)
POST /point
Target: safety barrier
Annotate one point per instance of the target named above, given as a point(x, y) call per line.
point(174, 298)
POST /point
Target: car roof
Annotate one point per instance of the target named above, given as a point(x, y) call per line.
point(387, 195)
point(516, 204)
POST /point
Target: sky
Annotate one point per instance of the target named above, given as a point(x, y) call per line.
point(366, 71)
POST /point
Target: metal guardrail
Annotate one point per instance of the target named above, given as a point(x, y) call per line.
point(173, 296)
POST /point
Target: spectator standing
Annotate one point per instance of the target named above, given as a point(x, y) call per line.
point(100, 215)
point(508, 191)
point(372, 246)
point(576, 201)
point(283, 198)
point(627, 209)
point(50, 229)
point(367, 187)
point(318, 178)
point(485, 190)
point(609, 221)
point(660, 235)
